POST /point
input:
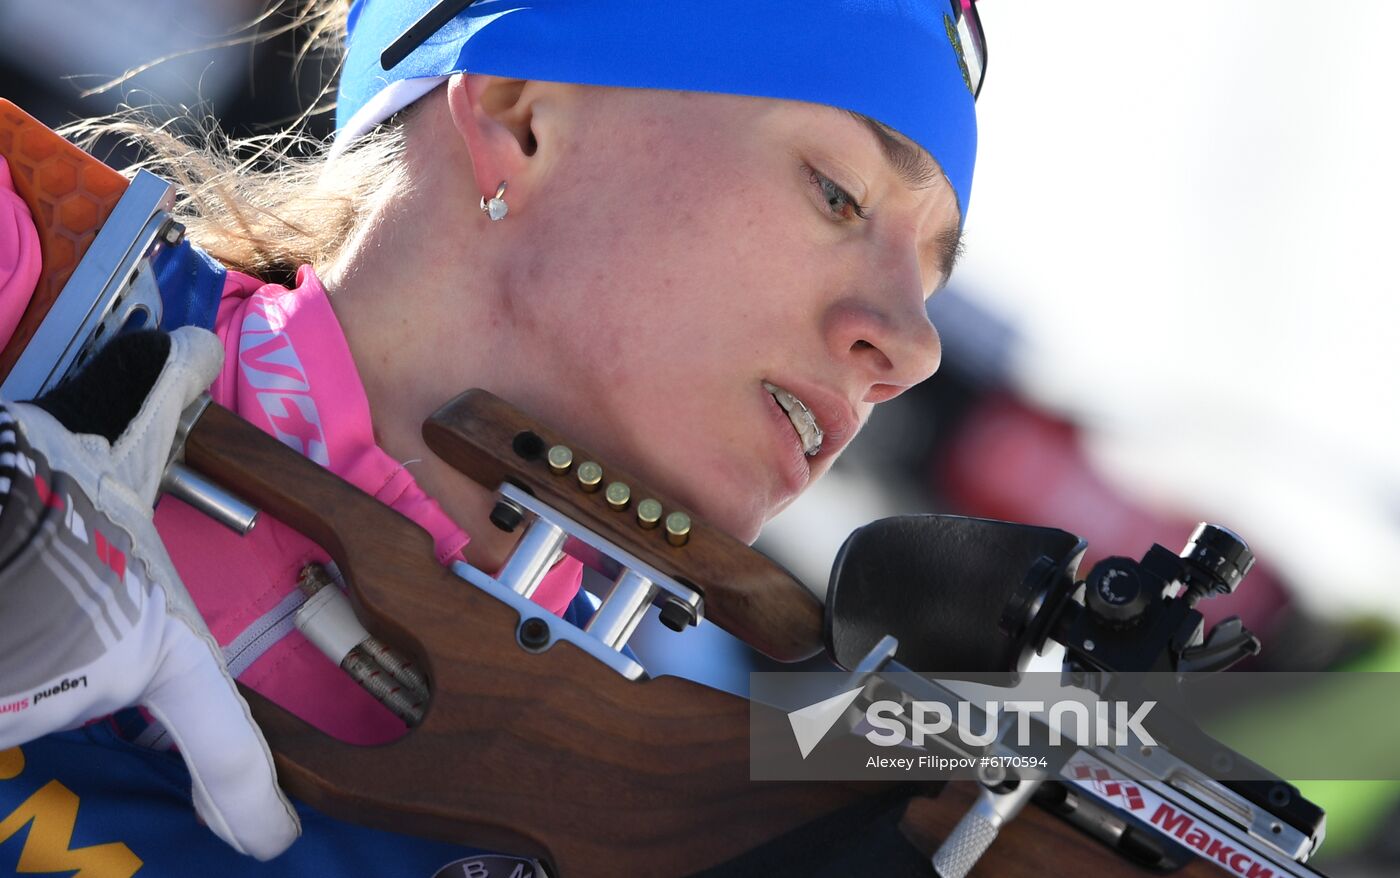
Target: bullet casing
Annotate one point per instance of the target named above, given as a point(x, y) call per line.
point(677, 528)
point(590, 475)
point(561, 458)
point(619, 495)
point(649, 513)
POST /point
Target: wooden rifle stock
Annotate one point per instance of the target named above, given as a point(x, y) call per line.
point(552, 754)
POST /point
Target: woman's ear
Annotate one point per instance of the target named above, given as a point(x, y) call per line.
point(493, 115)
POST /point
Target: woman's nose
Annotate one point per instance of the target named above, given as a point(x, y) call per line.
point(886, 340)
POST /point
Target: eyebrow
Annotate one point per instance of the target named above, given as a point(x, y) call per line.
point(918, 170)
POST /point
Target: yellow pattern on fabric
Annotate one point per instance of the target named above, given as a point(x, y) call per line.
point(11, 763)
point(51, 813)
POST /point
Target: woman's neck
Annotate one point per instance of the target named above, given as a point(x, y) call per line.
point(417, 341)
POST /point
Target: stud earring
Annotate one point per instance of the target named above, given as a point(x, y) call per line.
point(496, 208)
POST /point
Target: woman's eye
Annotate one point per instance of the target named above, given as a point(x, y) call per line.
point(838, 200)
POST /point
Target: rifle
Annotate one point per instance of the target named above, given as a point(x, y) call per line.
point(550, 740)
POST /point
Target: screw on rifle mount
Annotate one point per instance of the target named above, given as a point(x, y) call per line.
point(1217, 560)
point(676, 615)
point(507, 515)
point(534, 634)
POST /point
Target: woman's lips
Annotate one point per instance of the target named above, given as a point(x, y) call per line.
point(790, 463)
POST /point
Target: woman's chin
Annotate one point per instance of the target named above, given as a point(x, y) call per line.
point(741, 524)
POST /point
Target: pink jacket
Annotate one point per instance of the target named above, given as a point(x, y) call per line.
point(288, 370)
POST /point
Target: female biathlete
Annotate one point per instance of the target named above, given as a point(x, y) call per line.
point(636, 221)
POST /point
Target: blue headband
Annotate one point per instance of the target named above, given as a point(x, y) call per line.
point(891, 60)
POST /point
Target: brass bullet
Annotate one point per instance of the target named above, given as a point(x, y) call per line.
point(590, 475)
point(649, 513)
point(618, 495)
point(677, 528)
point(560, 459)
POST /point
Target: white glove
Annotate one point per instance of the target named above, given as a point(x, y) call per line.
point(95, 617)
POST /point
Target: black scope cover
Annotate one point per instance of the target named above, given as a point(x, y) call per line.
point(940, 584)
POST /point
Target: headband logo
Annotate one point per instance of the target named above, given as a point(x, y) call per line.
point(956, 42)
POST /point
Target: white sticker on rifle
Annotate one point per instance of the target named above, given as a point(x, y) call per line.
point(1186, 829)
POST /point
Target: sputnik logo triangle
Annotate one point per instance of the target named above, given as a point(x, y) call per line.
point(810, 724)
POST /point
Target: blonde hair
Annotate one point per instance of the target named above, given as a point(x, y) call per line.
point(269, 203)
